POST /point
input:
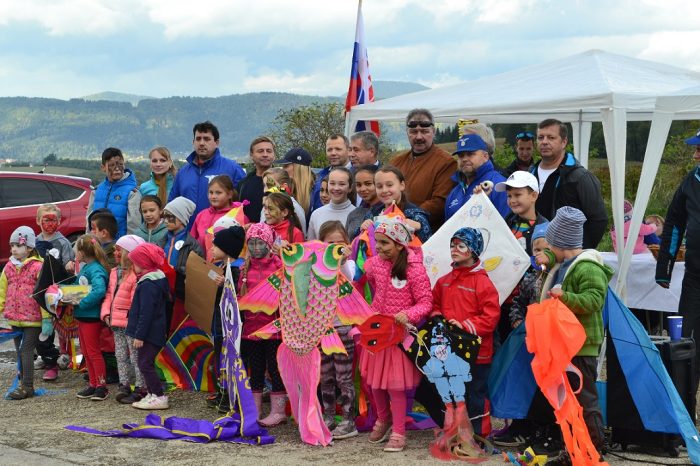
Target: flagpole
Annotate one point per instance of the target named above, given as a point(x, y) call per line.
point(346, 129)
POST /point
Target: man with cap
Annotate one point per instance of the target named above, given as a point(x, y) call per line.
point(563, 182)
point(251, 188)
point(474, 167)
point(524, 154)
point(683, 218)
point(338, 155)
point(427, 168)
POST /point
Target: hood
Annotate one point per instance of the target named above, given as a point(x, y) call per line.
point(477, 268)
point(144, 229)
point(153, 276)
point(129, 179)
point(592, 256)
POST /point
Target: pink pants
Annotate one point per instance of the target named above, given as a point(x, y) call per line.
point(89, 336)
point(391, 405)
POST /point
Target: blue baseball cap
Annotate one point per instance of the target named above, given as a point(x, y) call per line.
point(296, 155)
point(694, 141)
point(470, 143)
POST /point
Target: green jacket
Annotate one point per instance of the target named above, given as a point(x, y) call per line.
point(585, 286)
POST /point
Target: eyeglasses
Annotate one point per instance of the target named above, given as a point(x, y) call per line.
point(169, 218)
point(416, 124)
point(524, 135)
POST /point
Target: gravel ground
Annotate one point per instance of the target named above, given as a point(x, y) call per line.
point(32, 433)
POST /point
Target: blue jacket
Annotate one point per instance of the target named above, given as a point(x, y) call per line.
point(147, 319)
point(88, 309)
point(150, 186)
point(192, 180)
point(115, 197)
point(461, 193)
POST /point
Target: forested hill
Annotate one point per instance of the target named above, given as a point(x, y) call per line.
point(32, 128)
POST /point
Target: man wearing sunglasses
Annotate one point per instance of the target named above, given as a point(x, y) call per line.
point(524, 154)
point(427, 168)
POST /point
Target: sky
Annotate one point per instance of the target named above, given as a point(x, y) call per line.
point(160, 48)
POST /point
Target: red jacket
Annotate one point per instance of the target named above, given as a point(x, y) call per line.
point(282, 230)
point(467, 295)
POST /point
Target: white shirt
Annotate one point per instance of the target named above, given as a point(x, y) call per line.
point(543, 174)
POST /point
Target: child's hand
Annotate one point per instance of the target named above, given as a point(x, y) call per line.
point(107, 320)
point(486, 187)
point(366, 224)
point(277, 247)
point(456, 323)
point(401, 318)
point(70, 266)
point(219, 280)
point(556, 292)
point(138, 343)
point(541, 258)
point(413, 224)
point(516, 323)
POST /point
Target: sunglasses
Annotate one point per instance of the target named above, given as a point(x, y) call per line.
point(169, 218)
point(524, 135)
point(416, 124)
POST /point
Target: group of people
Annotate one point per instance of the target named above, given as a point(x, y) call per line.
point(140, 236)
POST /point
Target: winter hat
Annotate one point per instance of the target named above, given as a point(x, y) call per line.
point(24, 236)
point(472, 238)
point(148, 257)
point(395, 228)
point(627, 209)
point(230, 240)
point(566, 228)
point(129, 242)
point(182, 208)
point(539, 231)
point(261, 231)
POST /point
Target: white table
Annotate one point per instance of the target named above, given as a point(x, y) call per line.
point(642, 290)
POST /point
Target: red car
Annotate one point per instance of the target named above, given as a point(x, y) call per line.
point(22, 193)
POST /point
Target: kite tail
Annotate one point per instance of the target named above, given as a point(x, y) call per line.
point(301, 375)
point(456, 440)
point(575, 432)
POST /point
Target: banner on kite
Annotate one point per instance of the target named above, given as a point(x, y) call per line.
point(503, 258)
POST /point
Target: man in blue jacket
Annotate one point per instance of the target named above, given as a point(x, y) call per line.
point(203, 164)
point(473, 168)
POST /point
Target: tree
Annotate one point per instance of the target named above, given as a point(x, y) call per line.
point(49, 159)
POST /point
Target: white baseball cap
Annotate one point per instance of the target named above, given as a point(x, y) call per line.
point(519, 179)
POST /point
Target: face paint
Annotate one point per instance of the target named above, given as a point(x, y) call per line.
point(258, 248)
point(49, 223)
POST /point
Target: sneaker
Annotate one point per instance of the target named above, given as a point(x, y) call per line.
point(39, 364)
point(214, 400)
point(380, 432)
point(152, 402)
point(51, 374)
point(21, 393)
point(346, 429)
point(63, 362)
point(122, 392)
point(508, 440)
point(86, 392)
point(100, 394)
point(397, 442)
point(142, 401)
point(329, 421)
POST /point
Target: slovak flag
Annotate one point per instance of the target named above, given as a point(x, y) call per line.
point(360, 91)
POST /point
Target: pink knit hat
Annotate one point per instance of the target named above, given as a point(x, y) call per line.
point(129, 242)
point(261, 231)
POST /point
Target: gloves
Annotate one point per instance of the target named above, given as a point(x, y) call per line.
point(47, 326)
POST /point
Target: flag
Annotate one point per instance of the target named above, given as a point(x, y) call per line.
point(360, 90)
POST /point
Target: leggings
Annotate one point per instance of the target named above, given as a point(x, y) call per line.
point(127, 359)
point(336, 370)
point(261, 355)
point(147, 365)
point(391, 404)
point(89, 336)
point(25, 345)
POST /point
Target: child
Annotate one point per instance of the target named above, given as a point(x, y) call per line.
point(94, 272)
point(118, 192)
point(391, 189)
point(337, 369)
point(402, 290)
point(147, 320)
point(261, 355)
point(153, 229)
point(323, 193)
point(657, 220)
point(579, 278)
point(367, 191)
point(469, 300)
point(19, 276)
point(279, 214)
point(103, 225)
point(226, 245)
point(341, 187)
point(179, 244)
point(647, 232)
point(221, 198)
point(115, 312)
point(278, 178)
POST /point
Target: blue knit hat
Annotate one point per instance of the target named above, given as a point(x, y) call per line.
point(539, 231)
point(472, 238)
point(566, 228)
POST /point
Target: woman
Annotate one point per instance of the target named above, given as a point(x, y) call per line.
point(162, 174)
point(300, 171)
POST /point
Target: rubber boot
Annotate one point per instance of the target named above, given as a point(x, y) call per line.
point(258, 398)
point(278, 401)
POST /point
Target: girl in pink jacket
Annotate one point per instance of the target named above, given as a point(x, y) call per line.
point(115, 314)
point(401, 289)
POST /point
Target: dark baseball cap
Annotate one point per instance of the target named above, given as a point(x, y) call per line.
point(296, 155)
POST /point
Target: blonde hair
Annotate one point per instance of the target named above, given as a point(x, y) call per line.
point(90, 247)
point(304, 180)
point(43, 208)
point(281, 177)
point(163, 182)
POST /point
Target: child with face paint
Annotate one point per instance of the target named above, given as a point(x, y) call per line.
point(280, 215)
point(261, 355)
point(19, 276)
point(467, 298)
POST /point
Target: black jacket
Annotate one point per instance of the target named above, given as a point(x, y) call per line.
point(572, 185)
point(682, 218)
point(251, 188)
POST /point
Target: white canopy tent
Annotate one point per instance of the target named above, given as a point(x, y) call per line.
point(587, 87)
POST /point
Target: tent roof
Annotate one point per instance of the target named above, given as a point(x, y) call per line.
point(571, 88)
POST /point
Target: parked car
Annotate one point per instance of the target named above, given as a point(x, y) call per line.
point(21, 194)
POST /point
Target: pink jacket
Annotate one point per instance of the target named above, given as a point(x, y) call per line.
point(639, 246)
point(258, 271)
point(391, 296)
point(118, 299)
point(16, 288)
point(204, 220)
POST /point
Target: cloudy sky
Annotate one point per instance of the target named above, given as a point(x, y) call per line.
point(71, 48)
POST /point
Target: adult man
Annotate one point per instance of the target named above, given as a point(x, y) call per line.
point(524, 151)
point(251, 188)
point(203, 164)
point(474, 167)
point(683, 216)
point(563, 182)
point(338, 155)
point(364, 149)
point(427, 168)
